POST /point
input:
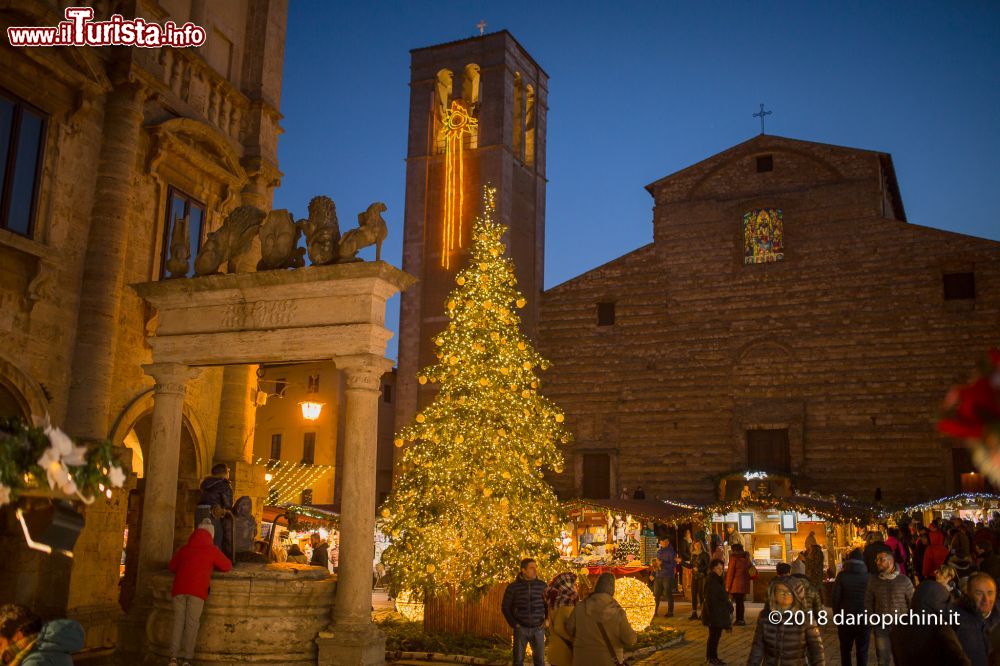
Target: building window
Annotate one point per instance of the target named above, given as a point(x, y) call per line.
point(765, 163)
point(387, 393)
point(276, 447)
point(762, 236)
point(596, 476)
point(605, 314)
point(768, 450)
point(307, 497)
point(309, 448)
point(966, 478)
point(180, 207)
point(22, 132)
point(959, 286)
point(314, 383)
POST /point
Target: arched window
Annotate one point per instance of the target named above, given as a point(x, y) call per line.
point(518, 111)
point(471, 100)
point(442, 102)
point(529, 125)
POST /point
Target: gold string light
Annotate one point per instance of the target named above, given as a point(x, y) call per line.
point(457, 124)
point(289, 479)
point(471, 499)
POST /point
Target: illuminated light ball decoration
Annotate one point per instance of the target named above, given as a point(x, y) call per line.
point(457, 124)
point(409, 608)
point(634, 596)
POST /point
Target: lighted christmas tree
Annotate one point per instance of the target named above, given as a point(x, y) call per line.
point(471, 499)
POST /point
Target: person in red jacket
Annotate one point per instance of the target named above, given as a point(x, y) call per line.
point(935, 554)
point(192, 566)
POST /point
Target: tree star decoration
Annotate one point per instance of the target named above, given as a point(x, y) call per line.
point(471, 499)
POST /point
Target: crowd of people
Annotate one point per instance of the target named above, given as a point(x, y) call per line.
point(947, 569)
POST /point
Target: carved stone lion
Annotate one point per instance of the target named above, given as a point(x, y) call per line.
point(371, 230)
point(322, 230)
point(230, 240)
point(279, 239)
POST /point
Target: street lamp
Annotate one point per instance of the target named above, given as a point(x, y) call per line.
point(311, 410)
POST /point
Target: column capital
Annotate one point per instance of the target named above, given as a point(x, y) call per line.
point(170, 377)
point(363, 372)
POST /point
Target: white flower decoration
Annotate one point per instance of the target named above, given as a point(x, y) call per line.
point(64, 448)
point(116, 476)
point(4, 495)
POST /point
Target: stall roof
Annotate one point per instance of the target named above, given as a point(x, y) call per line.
point(839, 510)
point(318, 513)
point(658, 511)
point(953, 502)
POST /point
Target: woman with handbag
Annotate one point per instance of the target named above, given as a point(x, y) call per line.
point(716, 611)
point(561, 597)
point(599, 628)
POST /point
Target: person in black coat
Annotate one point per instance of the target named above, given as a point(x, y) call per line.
point(716, 610)
point(849, 596)
point(918, 644)
point(525, 610)
point(977, 618)
point(216, 498)
point(699, 571)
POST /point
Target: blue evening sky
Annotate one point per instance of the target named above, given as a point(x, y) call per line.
point(639, 90)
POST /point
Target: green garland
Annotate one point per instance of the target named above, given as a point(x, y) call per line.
point(83, 473)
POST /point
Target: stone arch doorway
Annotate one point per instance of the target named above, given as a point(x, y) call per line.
point(137, 438)
point(20, 395)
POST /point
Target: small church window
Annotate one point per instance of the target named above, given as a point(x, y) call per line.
point(762, 236)
point(605, 314)
point(959, 286)
point(765, 163)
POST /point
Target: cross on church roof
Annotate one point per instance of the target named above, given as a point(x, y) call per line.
point(482, 26)
point(760, 114)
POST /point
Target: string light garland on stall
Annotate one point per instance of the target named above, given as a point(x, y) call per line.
point(471, 498)
point(289, 479)
point(954, 503)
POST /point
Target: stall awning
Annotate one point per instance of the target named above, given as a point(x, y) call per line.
point(316, 514)
point(837, 510)
point(987, 501)
point(657, 511)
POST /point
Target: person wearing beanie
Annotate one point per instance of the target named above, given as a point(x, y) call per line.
point(599, 628)
point(192, 566)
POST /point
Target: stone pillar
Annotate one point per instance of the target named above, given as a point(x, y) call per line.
point(104, 265)
point(159, 504)
point(235, 434)
point(353, 639)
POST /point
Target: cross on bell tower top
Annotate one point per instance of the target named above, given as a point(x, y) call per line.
point(482, 26)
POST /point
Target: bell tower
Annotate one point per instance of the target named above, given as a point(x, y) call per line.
point(477, 116)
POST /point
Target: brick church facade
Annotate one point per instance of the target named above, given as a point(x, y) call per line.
point(785, 317)
point(828, 360)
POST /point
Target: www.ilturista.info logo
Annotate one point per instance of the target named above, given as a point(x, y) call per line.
point(80, 30)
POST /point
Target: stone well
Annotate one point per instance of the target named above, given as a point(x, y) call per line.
point(256, 613)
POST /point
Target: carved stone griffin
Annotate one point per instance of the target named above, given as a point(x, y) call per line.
point(371, 230)
point(230, 240)
point(279, 239)
point(322, 230)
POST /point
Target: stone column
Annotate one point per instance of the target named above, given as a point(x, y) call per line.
point(159, 504)
point(235, 434)
point(353, 639)
point(104, 265)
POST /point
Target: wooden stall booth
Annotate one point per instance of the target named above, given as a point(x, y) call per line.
point(977, 507)
point(775, 524)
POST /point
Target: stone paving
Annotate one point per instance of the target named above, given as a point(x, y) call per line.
point(734, 648)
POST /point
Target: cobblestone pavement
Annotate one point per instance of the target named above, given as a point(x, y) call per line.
point(734, 648)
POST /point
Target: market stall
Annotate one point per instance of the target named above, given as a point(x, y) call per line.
point(290, 524)
point(774, 523)
point(977, 507)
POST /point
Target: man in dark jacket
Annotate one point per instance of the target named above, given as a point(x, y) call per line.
point(875, 544)
point(26, 640)
point(665, 581)
point(888, 593)
point(977, 617)
point(698, 563)
point(716, 611)
point(215, 499)
point(849, 597)
point(918, 644)
point(524, 609)
point(321, 552)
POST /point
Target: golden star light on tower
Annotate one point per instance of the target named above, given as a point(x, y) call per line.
point(457, 125)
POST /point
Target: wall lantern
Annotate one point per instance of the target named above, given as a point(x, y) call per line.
point(311, 410)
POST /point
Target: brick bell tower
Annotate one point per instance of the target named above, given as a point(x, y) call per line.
point(477, 116)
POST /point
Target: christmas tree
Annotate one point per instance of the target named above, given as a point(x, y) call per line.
point(471, 499)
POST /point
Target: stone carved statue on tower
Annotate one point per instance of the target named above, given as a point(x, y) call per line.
point(230, 240)
point(322, 230)
point(371, 230)
point(279, 239)
point(180, 248)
